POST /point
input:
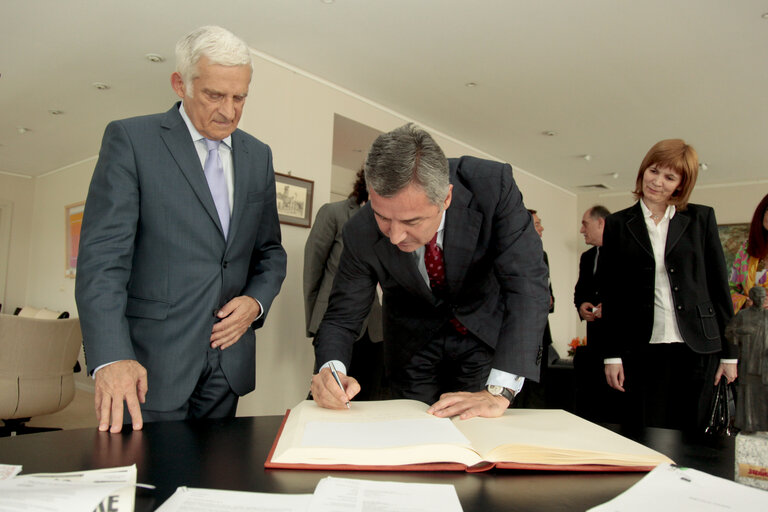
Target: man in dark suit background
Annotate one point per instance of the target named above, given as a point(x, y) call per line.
point(594, 399)
point(586, 295)
point(180, 254)
point(464, 284)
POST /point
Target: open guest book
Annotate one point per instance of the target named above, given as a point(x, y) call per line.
point(399, 435)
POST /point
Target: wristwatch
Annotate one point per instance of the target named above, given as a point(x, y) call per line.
point(501, 391)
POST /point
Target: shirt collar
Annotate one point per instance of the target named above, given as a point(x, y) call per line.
point(668, 214)
point(193, 131)
point(441, 231)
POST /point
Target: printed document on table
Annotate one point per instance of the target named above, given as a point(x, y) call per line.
point(190, 499)
point(79, 490)
point(353, 495)
point(7, 471)
point(675, 489)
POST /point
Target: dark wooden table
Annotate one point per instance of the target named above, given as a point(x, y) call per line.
point(230, 454)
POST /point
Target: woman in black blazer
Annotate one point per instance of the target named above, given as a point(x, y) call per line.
point(666, 301)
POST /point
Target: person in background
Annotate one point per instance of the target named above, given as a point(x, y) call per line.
point(322, 252)
point(180, 252)
point(534, 394)
point(463, 281)
point(594, 399)
point(750, 266)
point(665, 296)
point(586, 295)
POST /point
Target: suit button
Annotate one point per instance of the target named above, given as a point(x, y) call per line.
point(676, 288)
point(671, 271)
point(225, 264)
point(679, 308)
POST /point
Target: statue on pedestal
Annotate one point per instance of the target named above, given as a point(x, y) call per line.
point(749, 330)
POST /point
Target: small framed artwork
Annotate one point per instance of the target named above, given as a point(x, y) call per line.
point(294, 200)
point(74, 220)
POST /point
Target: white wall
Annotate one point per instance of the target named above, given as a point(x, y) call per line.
point(17, 197)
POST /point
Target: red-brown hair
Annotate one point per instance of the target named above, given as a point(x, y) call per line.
point(674, 154)
point(757, 243)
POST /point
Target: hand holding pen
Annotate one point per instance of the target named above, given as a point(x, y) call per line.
point(332, 389)
point(338, 380)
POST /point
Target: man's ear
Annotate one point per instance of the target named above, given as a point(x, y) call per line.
point(178, 84)
point(448, 198)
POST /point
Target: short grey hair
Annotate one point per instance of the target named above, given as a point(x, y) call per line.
point(599, 212)
point(218, 44)
point(407, 155)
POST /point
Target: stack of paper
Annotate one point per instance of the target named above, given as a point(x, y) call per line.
point(113, 488)
point(331, 495)
point(675, 489)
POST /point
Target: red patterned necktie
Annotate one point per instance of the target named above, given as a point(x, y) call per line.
point(433, 259)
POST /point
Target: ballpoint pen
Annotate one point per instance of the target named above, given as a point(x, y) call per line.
point(338, 380)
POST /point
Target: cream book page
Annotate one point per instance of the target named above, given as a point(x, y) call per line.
point(394, 432)
point(398, 432)
point(553, 436)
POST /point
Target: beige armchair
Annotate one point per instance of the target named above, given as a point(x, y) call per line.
point(37, 357)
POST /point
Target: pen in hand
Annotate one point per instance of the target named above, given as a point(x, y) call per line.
point(338, 380)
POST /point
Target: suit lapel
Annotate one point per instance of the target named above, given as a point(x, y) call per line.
point(402, 267)
point(176, 138)
point(636, 227)
point(677, 226)
point(462, 228)
point(241, 184)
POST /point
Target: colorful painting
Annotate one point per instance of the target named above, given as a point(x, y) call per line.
point(74, 218)
point(732, 236)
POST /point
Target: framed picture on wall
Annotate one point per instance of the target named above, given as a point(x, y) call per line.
point(74, 220)
point(294, 200)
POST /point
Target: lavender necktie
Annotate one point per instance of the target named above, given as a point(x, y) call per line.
point(214, 174)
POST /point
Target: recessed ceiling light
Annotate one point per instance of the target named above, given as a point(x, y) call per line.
point(55, 112)
point(23, 130)
point(470, 84)
point(328, 1)
point(703, 166)
point(765, 16)
point(100, 86)
point(587, 157)
point(154, 57)
point(549, 133)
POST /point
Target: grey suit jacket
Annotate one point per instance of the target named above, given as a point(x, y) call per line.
point(154, 265)
point(321, 261)
point(495, 276)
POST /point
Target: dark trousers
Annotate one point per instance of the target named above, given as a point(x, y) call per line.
point(211, 398)
point(668, 385)
point(594, 399)
point(367, 367)
point(449, 362)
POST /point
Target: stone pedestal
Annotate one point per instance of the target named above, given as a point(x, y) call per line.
point(752, 459)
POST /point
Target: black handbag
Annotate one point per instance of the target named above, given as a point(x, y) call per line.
point(723, 411)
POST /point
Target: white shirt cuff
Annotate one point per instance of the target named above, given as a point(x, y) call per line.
point(504, 379)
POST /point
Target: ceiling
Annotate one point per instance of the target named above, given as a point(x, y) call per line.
point(608, 77)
